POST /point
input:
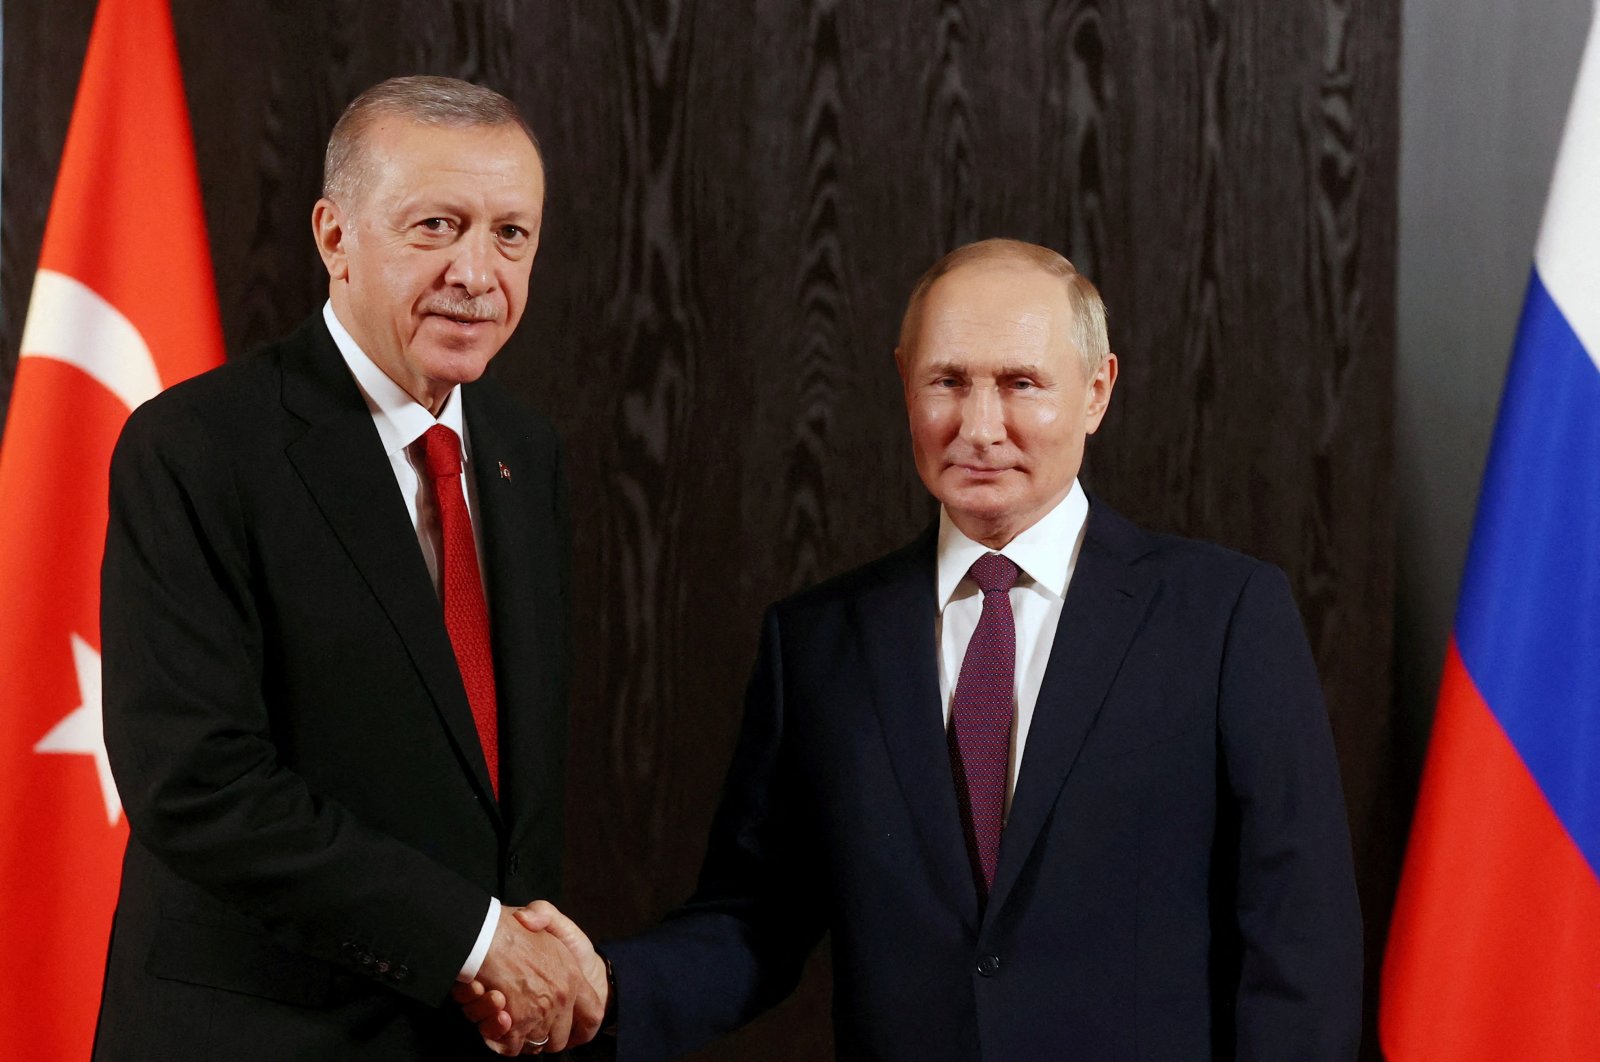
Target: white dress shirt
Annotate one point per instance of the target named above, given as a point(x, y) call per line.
point(1047, 553)
point(401, 422)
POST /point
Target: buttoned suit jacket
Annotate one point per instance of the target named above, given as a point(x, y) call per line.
point(314, 837)
point(1174, 879)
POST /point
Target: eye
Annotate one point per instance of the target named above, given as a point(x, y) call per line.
point(434, 225)
point(1022, 383)
point(513, 233)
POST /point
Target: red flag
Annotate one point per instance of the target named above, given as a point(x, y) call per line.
point(123, 305)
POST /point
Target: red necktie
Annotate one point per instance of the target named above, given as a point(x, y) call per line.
point(980, 717)
point(466, 614)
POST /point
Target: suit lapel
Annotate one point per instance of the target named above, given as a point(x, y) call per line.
point(1105, 605)
point(526, 603)
point(341, 461)
point(896, 619)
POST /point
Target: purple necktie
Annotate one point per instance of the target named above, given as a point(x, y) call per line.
point(980, 717)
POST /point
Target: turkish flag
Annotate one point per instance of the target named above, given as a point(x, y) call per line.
point(123, 305)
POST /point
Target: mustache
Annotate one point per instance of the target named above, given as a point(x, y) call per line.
point(464, 308)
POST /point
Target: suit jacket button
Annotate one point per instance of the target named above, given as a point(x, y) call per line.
point(514, 864)
point(988, 965)
point(382, 967)
point(401, 973)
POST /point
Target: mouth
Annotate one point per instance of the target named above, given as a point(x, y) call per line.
point(462, 312)
point(981, 471)
point(458, 321)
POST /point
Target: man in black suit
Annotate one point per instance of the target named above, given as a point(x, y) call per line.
point(1058, 787)
point(335, 633)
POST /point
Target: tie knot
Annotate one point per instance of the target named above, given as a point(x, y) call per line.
point(442, 451)
point(994, 571)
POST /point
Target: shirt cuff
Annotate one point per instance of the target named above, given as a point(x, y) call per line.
point(480, 949)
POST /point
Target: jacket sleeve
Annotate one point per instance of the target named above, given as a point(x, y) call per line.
point(739, 945)
point(189, 734)
point(1298, 918)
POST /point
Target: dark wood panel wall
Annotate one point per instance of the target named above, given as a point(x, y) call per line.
point(740, 198)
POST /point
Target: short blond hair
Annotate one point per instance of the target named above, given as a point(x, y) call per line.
point(1088, 309)
point(424, 99)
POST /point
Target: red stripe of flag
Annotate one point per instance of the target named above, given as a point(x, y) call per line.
point(124, 303)
point(1494, 897)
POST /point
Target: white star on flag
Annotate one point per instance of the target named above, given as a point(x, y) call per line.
point(81, 733)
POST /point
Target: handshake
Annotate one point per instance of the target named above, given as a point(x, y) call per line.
point(541, 987)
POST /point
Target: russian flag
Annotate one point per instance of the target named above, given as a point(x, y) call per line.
point(1494, 951)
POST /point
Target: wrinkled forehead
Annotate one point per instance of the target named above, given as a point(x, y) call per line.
point(1000, 302)
point(401, 157)
point(395, 137)
point(985, 277)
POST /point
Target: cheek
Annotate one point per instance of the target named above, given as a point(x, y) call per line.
point(514, 282)
point(401, 289)
point(933, 424)
point(1041, 425)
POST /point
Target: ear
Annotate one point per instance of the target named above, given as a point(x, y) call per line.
point(900, 362)
point(1098, 394)
point(329, 232)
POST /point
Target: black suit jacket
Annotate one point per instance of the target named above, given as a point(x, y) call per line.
point(1174, 880)
point(314, 836)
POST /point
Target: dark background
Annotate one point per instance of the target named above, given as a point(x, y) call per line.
point(740, 198)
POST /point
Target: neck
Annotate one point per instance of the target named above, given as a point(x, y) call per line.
point(997, 530)
point(995, 534)
point(432, 403)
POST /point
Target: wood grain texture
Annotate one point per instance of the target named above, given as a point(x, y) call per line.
point(740, 198)
point(43, 57)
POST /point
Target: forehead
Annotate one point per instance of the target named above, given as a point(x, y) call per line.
point(995, 311)
point(410, 159)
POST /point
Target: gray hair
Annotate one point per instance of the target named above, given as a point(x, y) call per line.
point(426, 100)
point(1088, 309)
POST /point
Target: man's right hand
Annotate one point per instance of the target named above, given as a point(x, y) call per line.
point(542, 916)
point(531, 988)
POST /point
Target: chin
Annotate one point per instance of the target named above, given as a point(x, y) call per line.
point(457, 367)
point(980, 499)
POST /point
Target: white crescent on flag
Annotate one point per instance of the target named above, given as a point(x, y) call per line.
point(69, 322)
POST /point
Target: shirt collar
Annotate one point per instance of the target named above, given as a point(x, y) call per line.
point(401, 420)
point(1046, 552)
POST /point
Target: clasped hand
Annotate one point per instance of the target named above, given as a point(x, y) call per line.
point(541, 987)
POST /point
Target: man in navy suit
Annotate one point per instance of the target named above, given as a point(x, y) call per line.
point(334, 627)
point(1058, 787)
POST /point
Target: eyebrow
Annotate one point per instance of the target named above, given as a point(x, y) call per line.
point(431, 204)
point(954, 368)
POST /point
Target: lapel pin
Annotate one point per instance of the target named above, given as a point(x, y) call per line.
point(505, 473)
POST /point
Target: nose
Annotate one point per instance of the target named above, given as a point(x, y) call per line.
point(472, 266)
point(983, 421)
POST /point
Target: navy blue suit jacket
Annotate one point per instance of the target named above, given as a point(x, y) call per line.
point(1174, 880)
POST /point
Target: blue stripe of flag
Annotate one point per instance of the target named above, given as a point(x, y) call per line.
point(1528, 622)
